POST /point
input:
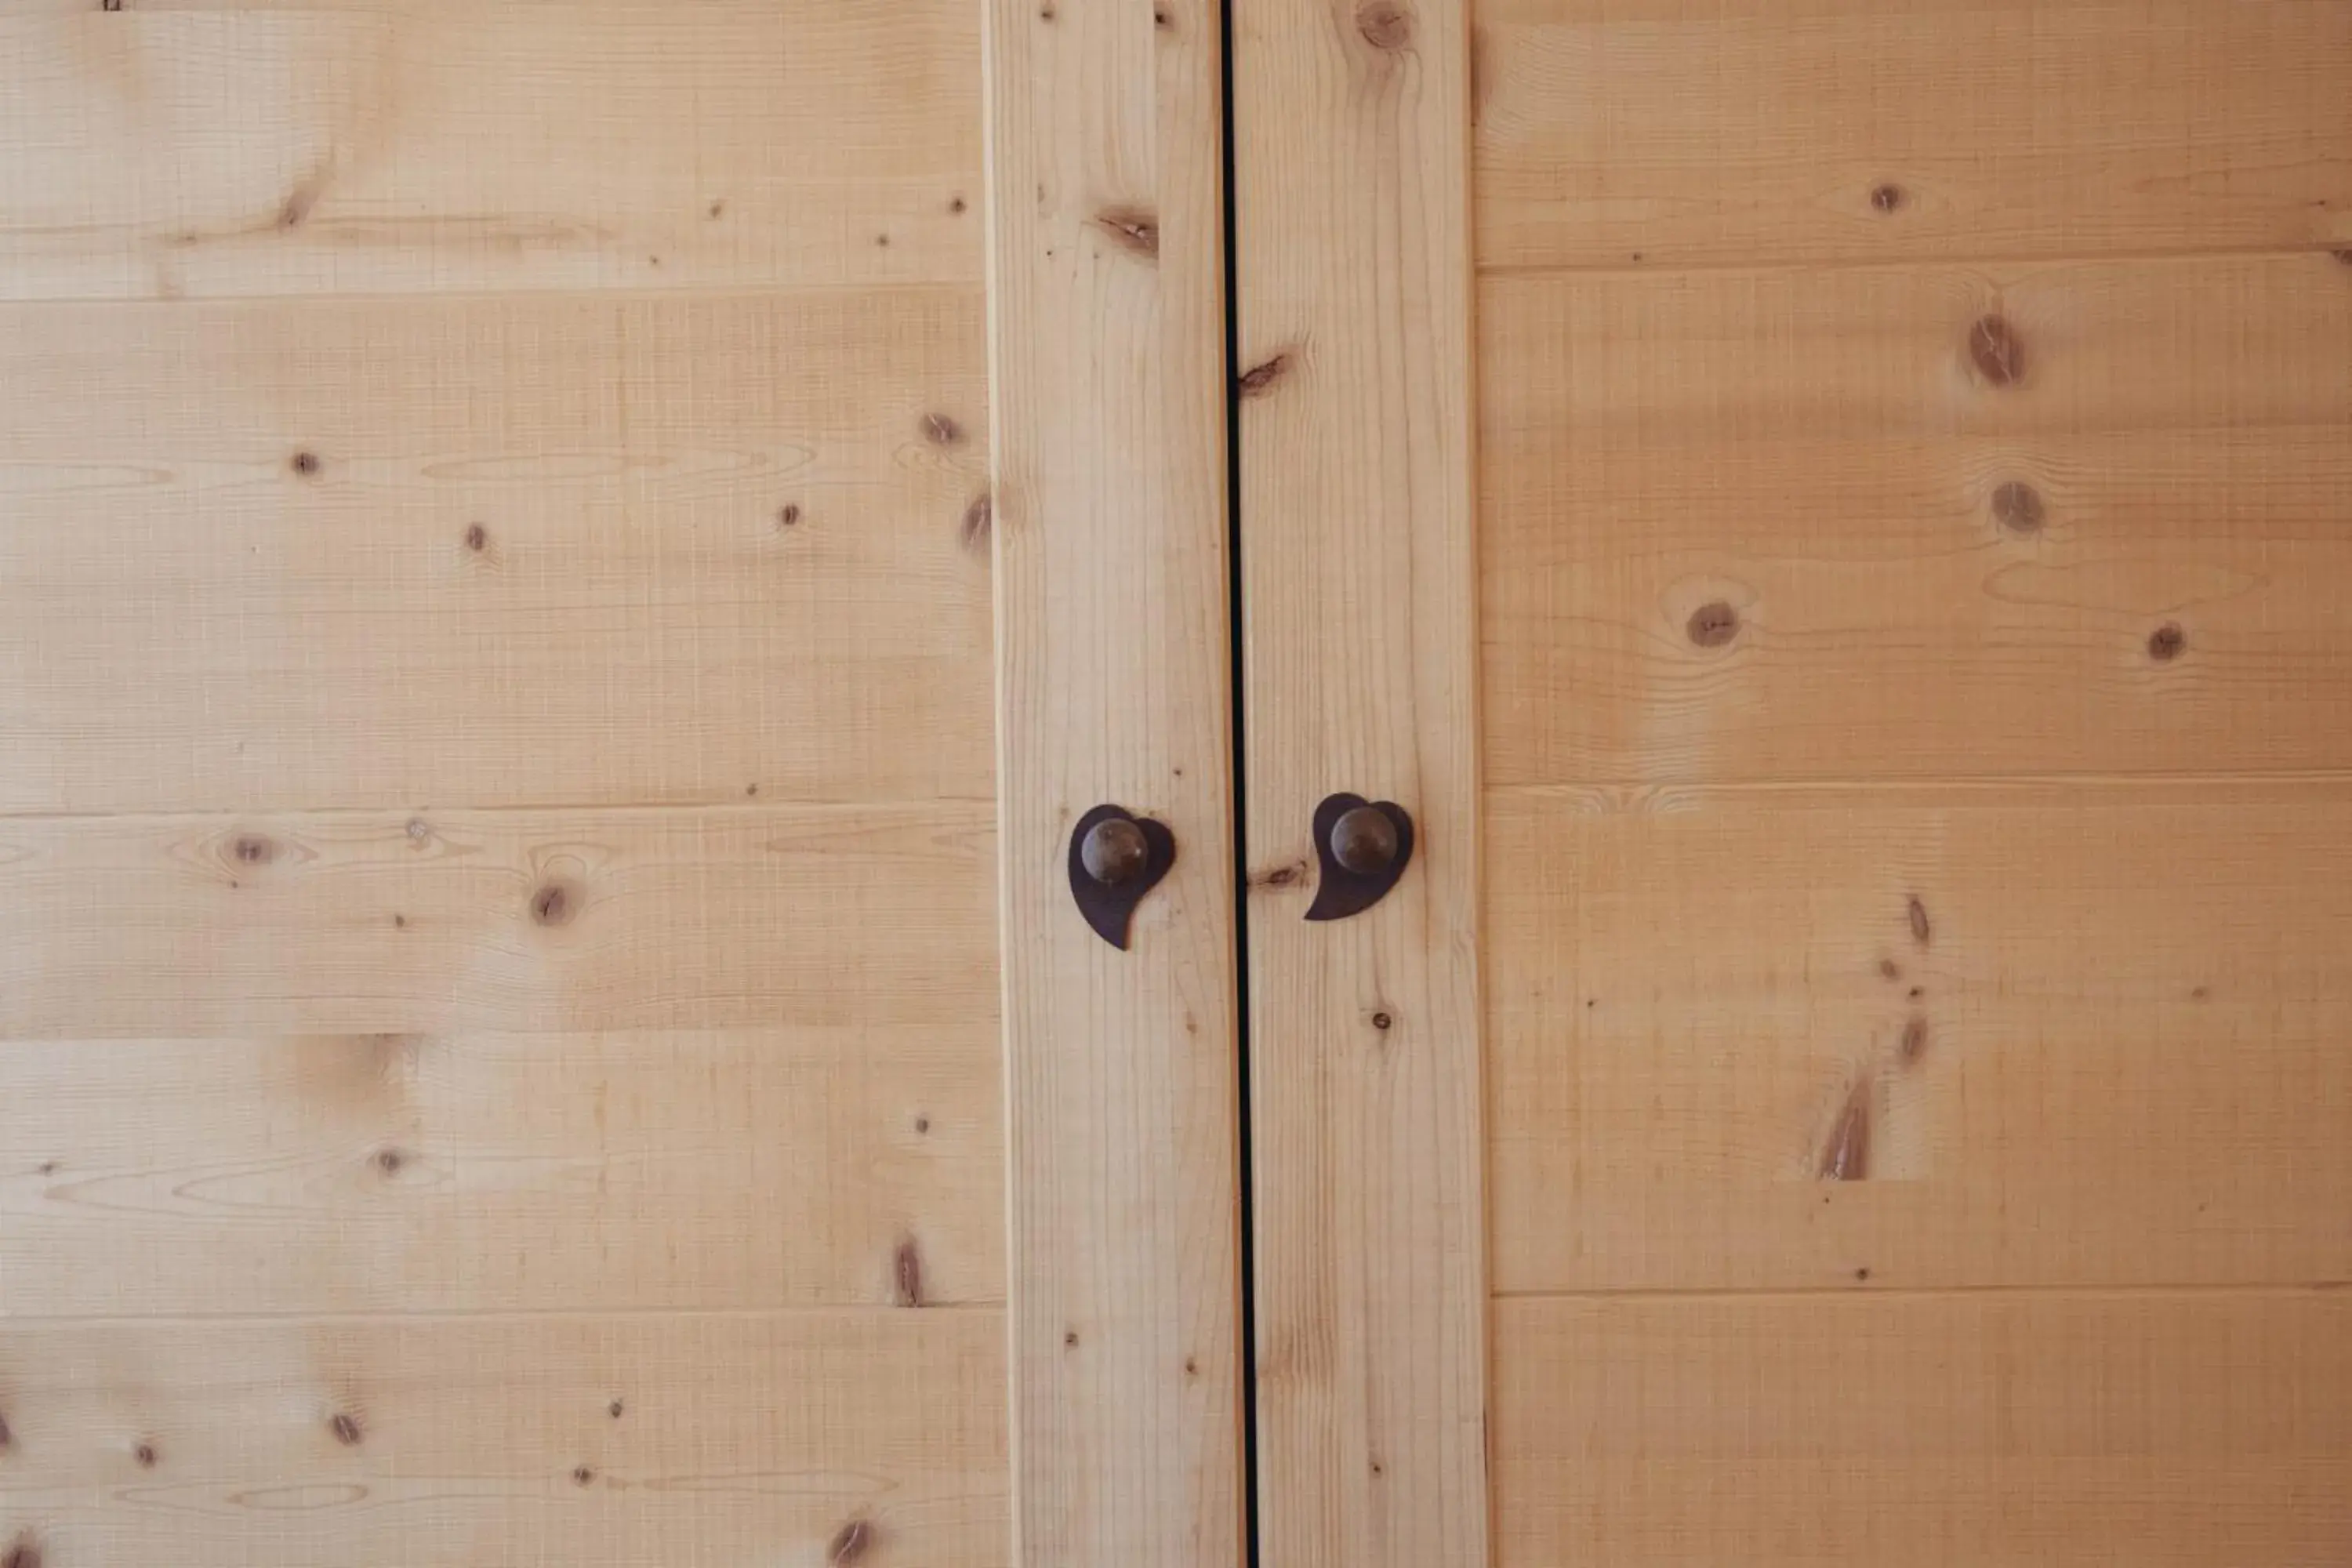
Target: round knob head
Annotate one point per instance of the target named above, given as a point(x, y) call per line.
point(1364, 841)
point(1114, 851)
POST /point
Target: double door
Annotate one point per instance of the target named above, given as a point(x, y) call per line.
point(577, 575)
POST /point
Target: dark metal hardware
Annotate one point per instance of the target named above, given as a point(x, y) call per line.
point(1117, 858)
point(1114, 851)
point(1364, 847)
point(1364, 840)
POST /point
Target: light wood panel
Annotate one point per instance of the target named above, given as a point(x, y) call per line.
point(532, 922)
point(1107, 373)
point(153, 153)
point(857, 1164)
point(2102, 1047)
point(1912, 489)
point(2166, 1429)
point(448, 1443)
point(1360, 656)
point(1817, 459)
point(492, 552)
point(1663, 133)
point(499, 1056)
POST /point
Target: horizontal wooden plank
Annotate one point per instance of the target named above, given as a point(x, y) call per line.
point(451, 1443)
point(1700, 361)
point(1661, 132)
point(526, 921)
point(565, 550)
point(1984, 1431)
point(754, 1168)
point(23, 9)
point(2064, 1035)
point(158, 154)
point(1914, 572)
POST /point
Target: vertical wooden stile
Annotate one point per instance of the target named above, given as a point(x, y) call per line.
point(1107, 358)
point(1360, 669)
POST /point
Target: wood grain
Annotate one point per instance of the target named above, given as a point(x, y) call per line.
point(1663, 133)
point(157, 154)
point(526, 921)
point(1361, 655)
point(761, 1437)
point(569, 550)
point(1818, 454)
point(1912, 495)
point(2088, 1071)
point(2189, 1431)
point(1108, 371)
point(500, 1053)
point(849, 1165)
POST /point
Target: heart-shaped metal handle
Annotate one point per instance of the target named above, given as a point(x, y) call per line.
point(1117, 858)
point(1364, 847)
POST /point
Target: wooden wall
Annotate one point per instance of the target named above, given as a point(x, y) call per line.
point(1916, 476)
point(499, 1050)
point(499, 1043)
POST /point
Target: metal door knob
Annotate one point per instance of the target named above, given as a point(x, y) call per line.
point(1364, 840)
point(1114, 851)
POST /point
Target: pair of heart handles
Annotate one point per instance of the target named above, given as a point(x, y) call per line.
point(1117, 858)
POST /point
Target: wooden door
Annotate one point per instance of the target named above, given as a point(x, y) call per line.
point(504, 1051)
point(1856, 1073)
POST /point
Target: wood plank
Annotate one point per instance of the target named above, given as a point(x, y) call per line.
point(1667, 133)
point(2102, 1047)
point(22, 8)
point(1359, 575)
point(720, 551)
point(1108, 371)
point(528, 921)
point(343, 1173)
point(1816, 457)
point(2179, 1431)
point(371, 150)
point(766, 1437)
